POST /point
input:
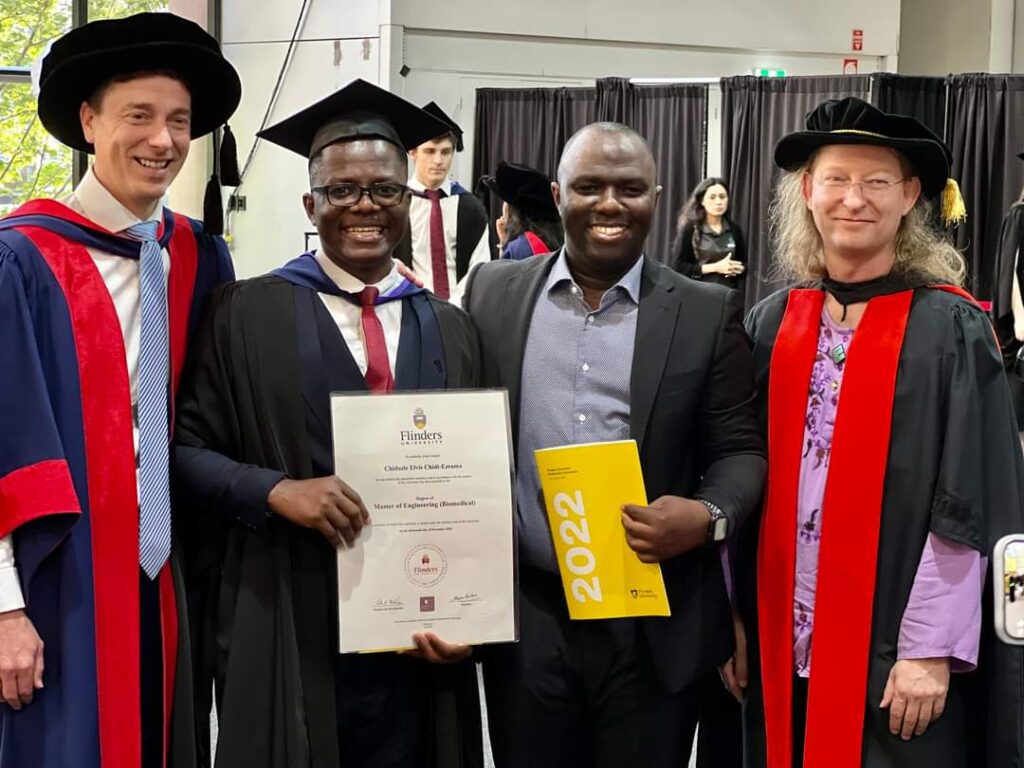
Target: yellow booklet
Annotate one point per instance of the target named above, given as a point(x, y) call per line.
point(585, 487)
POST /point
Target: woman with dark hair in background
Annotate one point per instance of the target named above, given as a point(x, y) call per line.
point(529, 223)
point(708, 246)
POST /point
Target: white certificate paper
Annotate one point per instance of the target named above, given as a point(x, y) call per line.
point(434, 470)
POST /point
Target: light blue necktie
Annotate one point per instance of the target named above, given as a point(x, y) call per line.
point(154, 484)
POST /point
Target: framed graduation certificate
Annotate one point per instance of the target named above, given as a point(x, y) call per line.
point(434, 470)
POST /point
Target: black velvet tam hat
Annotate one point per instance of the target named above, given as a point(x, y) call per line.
point(452, 128)
point(524, 187)
point(360, 110)
point(853, 121)
point(89, 56)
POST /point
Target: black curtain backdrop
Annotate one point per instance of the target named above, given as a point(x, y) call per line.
point(528, 126)
point(756, 113)
point(923, 98)
point(981, 117)
point(532, 125)
point(985, 131)
point(673, 119)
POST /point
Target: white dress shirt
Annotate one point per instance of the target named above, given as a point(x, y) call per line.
point(419, 229)
point(349, 317)
point(121, 276)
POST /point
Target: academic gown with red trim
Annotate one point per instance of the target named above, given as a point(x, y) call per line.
point(68, 485)
point(952, 465)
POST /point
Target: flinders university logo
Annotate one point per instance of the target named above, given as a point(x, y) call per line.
point(419, 435)
point(425, 565)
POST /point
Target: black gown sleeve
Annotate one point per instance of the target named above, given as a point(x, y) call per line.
point(978, 492)
point(207, 433)
point(977, 500)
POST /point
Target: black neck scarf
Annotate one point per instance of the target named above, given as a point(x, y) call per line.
point(856, 293)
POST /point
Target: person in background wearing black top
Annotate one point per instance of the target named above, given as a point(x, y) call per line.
point(708, 246)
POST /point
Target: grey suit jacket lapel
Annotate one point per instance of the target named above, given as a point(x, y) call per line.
point(655, 327)
point(520, 297)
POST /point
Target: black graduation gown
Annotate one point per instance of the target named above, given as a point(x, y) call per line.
point(264, 601)
point(954, 468)
point(1011, 238)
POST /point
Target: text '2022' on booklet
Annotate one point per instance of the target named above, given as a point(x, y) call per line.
point(584, 488)
point(434, 470)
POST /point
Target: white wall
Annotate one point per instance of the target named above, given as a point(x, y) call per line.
point(456, 46)
point(942, 36)
point(338, 42)
point(782, 25)
point(1018, 37)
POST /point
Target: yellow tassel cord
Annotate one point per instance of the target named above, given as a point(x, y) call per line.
point(953, 209)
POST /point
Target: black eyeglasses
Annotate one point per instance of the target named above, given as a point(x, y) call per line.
point(346, 195)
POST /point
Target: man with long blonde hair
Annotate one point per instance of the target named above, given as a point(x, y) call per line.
point(894, 466)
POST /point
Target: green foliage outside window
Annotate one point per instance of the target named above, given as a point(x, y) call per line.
point(33, 163)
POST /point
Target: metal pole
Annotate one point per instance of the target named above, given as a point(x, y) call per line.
point(80, 160)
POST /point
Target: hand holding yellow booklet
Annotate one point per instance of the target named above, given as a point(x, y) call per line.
point(585, 487)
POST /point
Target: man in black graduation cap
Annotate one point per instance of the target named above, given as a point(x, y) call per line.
point(894, 467)
point(254, 432)
point(99, 294)
point(448, 233)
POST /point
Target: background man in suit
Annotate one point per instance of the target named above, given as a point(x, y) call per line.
point(597, 342)
point(447, 234)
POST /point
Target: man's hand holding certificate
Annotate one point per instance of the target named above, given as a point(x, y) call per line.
point(436, 559)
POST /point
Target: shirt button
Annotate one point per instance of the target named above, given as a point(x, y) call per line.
point(590, 318)
point(586, 367)
point(575, 290)
point(582, 417)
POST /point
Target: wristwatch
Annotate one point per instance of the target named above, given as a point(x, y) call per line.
point(718, 526)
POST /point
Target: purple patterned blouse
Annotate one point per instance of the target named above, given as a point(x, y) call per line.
point(943, 614)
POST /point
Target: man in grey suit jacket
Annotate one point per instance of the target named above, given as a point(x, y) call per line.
point(598, 342)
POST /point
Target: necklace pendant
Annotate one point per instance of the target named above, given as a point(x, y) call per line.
point(838, 354)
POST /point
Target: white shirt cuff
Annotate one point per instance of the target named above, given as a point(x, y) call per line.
point(11, 598)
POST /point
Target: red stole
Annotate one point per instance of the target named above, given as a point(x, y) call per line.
point(113, 500)
point(851, 518)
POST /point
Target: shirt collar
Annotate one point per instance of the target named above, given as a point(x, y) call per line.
point(629, 282)
point(95, 202)
point(351, 284)
point(417, 186)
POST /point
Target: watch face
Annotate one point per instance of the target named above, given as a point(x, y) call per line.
point(721, 528)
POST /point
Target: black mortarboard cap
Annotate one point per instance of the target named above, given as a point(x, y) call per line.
point(360, 110)
point(452, 127)
point(524, 187)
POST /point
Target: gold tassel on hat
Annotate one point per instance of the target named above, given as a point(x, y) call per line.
point(953, 209)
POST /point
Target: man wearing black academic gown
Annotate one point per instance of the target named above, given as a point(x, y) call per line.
point(255, 461)
point(922, 453)
point(1007, 307)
